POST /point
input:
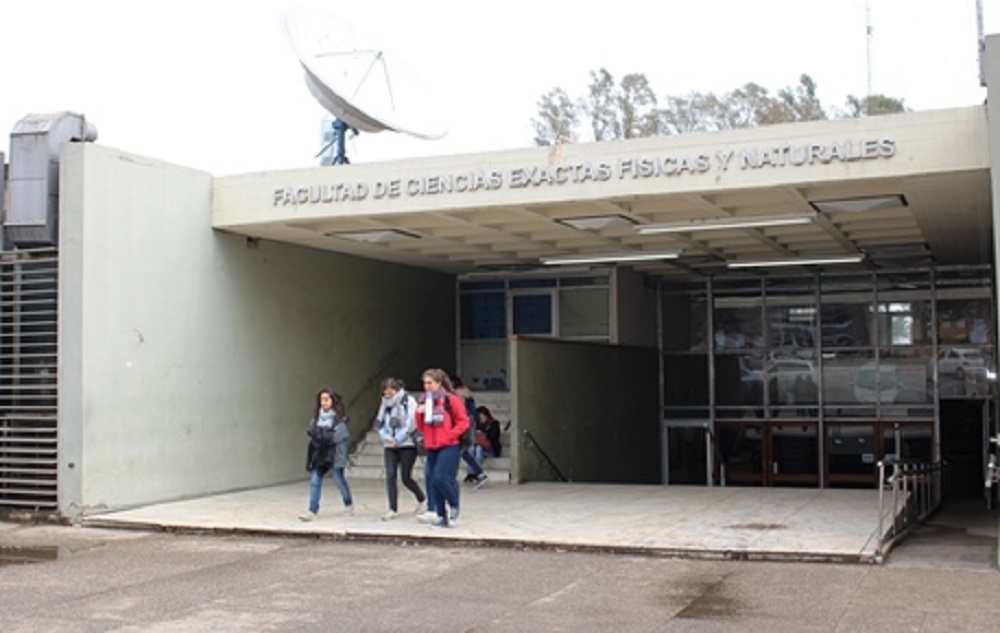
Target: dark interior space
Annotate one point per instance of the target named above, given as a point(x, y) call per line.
point(962, 434)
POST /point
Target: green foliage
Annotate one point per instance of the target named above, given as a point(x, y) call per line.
point(557, 120)
point(630, 109)
point(873, 105)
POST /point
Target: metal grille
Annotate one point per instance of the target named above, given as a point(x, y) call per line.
point(28, 387)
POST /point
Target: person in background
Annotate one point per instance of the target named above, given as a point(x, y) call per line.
point(474, 472)
point(442, 419)
point(396, 428)
point(329, 440)
point(487, 436)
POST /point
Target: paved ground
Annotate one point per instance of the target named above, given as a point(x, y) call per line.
point(132, 580)
point(688, 521)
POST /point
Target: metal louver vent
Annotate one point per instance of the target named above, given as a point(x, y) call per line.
point(28, 387)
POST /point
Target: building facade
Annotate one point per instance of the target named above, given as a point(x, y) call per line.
point(774, 306)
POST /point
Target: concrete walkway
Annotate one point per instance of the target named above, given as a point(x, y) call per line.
point(677, 521)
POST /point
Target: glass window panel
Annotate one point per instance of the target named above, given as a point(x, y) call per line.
point(739, 379)
point(915, 440)
point(847, 381)
point(685, 380)
point(584, 312)
point(685, 321)
point(904, 323)
point(791, 328)
point(792, 386)
point(738, 328)
point(851, 449)
point(845, 325)
point(966, 370)
point(532, 314)
point(965, 322)
point(483, 315)
point(532, 283)
point(481, 285)
point(686, 455)
point(911, 374)
point(796, 450)
point(741, 452)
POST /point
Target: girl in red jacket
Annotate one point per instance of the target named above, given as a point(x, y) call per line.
point(442, 419)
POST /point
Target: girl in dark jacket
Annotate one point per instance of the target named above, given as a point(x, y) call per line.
point(442, 419)
point(329, 440)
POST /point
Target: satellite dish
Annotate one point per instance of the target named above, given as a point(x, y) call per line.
point(364, 86)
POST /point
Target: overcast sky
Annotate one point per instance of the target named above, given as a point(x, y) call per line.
point(213, 85)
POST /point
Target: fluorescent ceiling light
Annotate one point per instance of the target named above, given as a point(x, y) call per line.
point(859, 205)
point(376, 236)
point(597, 222)
point(718, 224)
point(848, 259)
point(613, 258)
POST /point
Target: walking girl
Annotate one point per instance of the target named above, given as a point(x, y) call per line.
point(396, 426)
point(442, 419)
point(329, 439)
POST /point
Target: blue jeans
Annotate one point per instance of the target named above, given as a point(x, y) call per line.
point(477, 454)
point(442, 469)
point(316, 487)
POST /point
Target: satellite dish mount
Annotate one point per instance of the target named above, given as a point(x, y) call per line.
point(338, 142)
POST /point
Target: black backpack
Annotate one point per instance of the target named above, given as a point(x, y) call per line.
point(469, 437)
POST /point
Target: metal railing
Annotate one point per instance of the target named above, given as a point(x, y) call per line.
point(532, 444)
point(908, 492)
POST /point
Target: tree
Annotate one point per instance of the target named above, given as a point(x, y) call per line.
point(873, 105)
point(630, 109)
point(613, 110)
point(801, 103)
point(558, 119)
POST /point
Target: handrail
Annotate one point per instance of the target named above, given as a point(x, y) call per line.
point(532, 443)
point(916, 492)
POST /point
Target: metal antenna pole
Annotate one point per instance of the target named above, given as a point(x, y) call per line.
point(981, 43)
point(869, 34)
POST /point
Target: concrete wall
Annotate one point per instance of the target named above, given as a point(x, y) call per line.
point(593, 409)
point(992, 72)
point(189, 358)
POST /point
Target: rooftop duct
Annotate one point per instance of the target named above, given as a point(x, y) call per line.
point(33, 214)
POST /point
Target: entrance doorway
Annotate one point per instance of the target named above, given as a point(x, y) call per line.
point(784, 453)
point(965, 433)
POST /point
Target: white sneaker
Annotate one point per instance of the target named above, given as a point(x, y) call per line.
point(441, 523)
point(307, 516)
point(348, 511)
point(421, 508)
point(427, 517)
point(453, 519)
point(389, 516)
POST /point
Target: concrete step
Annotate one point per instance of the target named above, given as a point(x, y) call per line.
point(378, 473)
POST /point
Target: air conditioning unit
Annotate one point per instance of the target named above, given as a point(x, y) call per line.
point(33, 216)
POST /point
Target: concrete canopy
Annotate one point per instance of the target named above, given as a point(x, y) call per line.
point(929, 172)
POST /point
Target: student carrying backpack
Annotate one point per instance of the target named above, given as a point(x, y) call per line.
point(474, 471)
